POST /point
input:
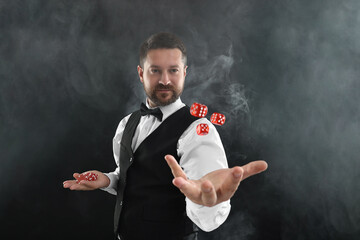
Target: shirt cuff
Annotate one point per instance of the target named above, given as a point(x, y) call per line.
point(112, 188)
point(208, 218)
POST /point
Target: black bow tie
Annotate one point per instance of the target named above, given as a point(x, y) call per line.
point(156, 112)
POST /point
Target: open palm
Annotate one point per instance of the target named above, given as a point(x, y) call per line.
point(215, 187)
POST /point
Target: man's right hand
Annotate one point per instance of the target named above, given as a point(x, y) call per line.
point(101, 182)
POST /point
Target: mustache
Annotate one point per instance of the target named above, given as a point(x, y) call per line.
point(164, 87)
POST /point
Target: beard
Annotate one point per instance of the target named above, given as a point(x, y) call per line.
point(163, 99)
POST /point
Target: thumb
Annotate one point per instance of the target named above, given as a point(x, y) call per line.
point(253, 168)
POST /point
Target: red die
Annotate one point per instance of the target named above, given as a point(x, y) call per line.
point(89, 176)
point(198, 110)
point(202, 129)
point(217, 118)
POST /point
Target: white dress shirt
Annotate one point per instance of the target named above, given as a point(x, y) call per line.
point(199, 155)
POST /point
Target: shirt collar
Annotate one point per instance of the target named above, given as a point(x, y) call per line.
point(169, 109)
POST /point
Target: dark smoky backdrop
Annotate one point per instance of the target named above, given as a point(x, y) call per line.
point(285, 74)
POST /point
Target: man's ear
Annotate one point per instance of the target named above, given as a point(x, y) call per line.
point(185, 70)
point(141, 73)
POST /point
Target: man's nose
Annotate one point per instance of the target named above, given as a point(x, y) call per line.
point(165, 79)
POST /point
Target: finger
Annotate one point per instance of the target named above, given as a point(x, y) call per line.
point(231, 182)
point(253, 168)
point(69, 183)
point(187, 188)
point(76, 175)
point(78, 187)
point(175, 167)
point(179, 182)
point(82, 185)
point(208, 194)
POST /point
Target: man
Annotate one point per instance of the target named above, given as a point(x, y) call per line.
point(153, 201)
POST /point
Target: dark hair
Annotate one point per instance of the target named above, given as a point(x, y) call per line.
point(161, 40)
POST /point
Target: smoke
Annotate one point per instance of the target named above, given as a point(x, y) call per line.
point(243, 229)
point(315, 113)
point(284, 73)
point(210, 83)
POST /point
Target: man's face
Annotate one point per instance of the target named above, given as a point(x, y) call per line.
point(163, 76)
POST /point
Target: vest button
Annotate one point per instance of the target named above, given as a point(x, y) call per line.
point(131, 159)
point(121, 202)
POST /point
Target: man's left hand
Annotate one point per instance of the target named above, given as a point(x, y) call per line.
point(215, 187)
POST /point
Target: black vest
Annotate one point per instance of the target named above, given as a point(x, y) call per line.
point(148, 205)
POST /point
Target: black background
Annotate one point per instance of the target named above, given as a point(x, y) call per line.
point(285, 74)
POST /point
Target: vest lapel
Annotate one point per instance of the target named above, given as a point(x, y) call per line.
point(125, 158)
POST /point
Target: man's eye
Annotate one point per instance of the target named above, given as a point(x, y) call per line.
point(154, 70)
point(174, 70)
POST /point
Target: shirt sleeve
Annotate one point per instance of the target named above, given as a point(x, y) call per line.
point(200, 155)
point(114, 176)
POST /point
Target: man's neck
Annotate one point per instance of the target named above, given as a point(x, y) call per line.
point(150, 103)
